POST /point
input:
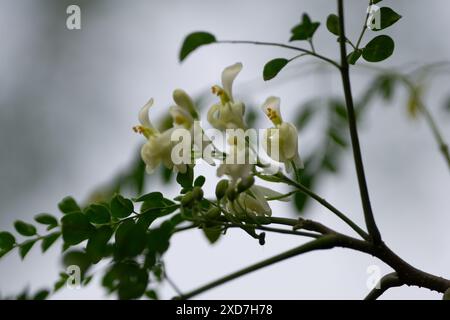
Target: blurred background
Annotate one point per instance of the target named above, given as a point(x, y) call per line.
point(69, 98)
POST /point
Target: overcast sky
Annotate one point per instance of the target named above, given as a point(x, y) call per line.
point(68, 100)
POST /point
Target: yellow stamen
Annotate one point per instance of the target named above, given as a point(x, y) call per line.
point(179, 119)
point(146, 132)
point(218, 91)
point(273, 115)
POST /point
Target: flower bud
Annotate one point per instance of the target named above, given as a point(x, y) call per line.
point(245, 184)
point(221, 188)
point(187, 199)
point(231, 194)
point(213, 213)
point(197, 193)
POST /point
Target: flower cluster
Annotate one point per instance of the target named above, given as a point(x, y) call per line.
point(241, 161)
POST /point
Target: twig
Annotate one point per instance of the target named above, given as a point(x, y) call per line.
point(368, 214)
point(329, 206)
point(390, 280)
point(273, 44)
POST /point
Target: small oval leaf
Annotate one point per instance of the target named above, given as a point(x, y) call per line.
point(333, 24)
point(387, 17)
point(273, 67)
point(378, 49)
point(354, 56)
point(25, 229)
point(194, 41)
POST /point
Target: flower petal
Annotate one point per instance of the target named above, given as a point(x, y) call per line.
point(183, 100)
point(271, 107)
point(181, 117)
point(143, 115)
point(228, 76)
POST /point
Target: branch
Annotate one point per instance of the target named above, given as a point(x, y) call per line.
point(325, 242)
point(273, 44)
point(329, 206)
point(368, 214)
point(390, 280)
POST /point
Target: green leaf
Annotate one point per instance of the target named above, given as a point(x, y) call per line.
point(158, 240)
point(333, 24)
point(376, 1)
point(305, 30)
point(98, 213)
point(47, 219)
point(378, 49)
point(386, 86)
point(77, 258)
point(26, 247)
point(98, 242)
point(152, 196)
point(273, 67)
point(49, 240)
point(127, 278)
point(68, 205)
point(337, 138)
point(151, 294)
point(186, 179)
point(194, 41)
point(41, 295)
point(212, 233)
point(76, 228)
point(199, 181)
point(354, 56)
point(24, 228)
point(130, 240)
point(7, 241)
point(387, 18)
point(121, 207)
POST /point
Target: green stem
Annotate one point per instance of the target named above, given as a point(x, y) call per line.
point(329, 206)
point(368, 214)
point(363, 31)
point(273, 44)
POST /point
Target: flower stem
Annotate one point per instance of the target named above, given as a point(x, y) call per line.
point(368, 214)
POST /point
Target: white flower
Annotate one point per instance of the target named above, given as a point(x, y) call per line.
point(158, 148)
point(228, 114)
point(281, 140)
point(236, 164)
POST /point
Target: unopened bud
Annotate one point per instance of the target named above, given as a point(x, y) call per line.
point(187, 199)
point(197, 193)
point(213, 213)
point(231, 194)
point(221, 188)
point(245, 184)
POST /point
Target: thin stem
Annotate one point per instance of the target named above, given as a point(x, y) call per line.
point(390, 280)
point(368, 214)
point(273, 44)
point(263, 228)
point(172, 284)
point(329, 206)
point(312, 45)
point(283, 196)
point(364, 28)
point(325, 242)
point(443, 147)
